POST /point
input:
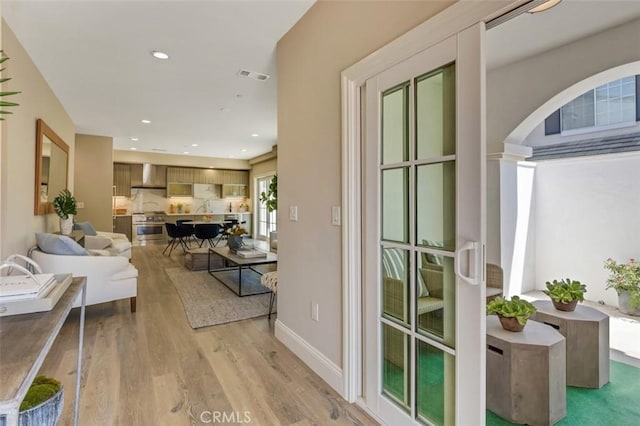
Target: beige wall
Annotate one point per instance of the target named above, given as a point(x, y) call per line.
point(94, 179)
point(329, 38)
point(18, 225)
point(179, 160)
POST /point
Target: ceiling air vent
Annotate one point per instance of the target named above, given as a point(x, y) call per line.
point(253, 74)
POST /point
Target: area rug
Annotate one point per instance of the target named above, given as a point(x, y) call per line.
point(208, 302)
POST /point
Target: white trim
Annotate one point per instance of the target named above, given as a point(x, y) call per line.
point(452, 20)
point(320, 364)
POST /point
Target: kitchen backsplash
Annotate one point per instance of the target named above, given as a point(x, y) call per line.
point(144, 199)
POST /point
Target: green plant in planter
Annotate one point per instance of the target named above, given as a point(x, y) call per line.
point(65, 204)
point(270, 197)
point(42, 389)
point(625, 277)
point(565, 290)
point(515, 308)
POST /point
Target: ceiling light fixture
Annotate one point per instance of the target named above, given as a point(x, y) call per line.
point(133, 148)
point(194, 144)
point(135, 139)
point(244, 149)
point(255, 135)
point(145, 121)
point(544, 6)
point(159, 55)
point(186, 152)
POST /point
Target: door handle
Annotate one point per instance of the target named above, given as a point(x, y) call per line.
point(473, 262)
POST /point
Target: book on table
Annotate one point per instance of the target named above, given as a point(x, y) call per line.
point(250, 253)
point(24, 287)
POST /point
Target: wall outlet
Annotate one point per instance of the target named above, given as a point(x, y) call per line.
point(80, 204)
point(315, 311)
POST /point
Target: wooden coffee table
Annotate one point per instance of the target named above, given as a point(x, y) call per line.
point(247, 274)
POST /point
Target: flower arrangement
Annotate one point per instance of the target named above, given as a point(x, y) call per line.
point(625, 277)
point(236, 230)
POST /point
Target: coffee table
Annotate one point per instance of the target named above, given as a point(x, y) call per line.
point(246, 271)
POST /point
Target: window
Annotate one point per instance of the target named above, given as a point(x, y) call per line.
point(608, 106)
point(266, 219)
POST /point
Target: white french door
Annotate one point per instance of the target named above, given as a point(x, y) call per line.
point(266, 220)
point(424, 227)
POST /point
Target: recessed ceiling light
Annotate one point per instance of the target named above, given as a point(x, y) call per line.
point(244, 150)
point(231, 156)
point(133, 148)
point(135, 139)
point(145, 121)
point(186, 152)
point(255, 135)
point(194, 144)
point(159, 55)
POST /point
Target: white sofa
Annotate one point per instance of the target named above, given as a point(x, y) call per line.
point(116, 244)
point(108, 277)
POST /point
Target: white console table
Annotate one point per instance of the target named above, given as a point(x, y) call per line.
point(25, 341)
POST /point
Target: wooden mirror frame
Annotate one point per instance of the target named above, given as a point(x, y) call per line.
point(42, 130)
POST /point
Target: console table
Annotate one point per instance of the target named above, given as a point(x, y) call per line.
point(587, 332)
point(25, 341)
point(526, 373)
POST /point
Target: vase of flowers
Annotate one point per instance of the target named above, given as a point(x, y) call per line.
point(234, 237)
point(624, 278)
point(65, 207)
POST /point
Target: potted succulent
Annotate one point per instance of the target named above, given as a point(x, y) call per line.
point(42, 405)
point(513, 314)
point(65, 207)
point(624, 278)
point(565, 294)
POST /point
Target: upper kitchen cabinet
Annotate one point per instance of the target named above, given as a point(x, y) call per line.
point(180, 174)
point(235, 177)
point(207, 176)
point(122, 179)
point(136, 175)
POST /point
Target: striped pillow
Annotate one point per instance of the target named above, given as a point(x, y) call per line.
point(394, 265)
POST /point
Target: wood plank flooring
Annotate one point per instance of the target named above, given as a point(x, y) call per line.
point(152, 368)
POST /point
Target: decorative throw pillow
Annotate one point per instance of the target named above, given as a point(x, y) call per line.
point(59, 244)
point(87, 227)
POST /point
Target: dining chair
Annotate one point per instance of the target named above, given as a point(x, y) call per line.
point(207, 232)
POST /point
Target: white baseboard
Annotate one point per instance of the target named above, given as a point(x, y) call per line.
point(320, 364)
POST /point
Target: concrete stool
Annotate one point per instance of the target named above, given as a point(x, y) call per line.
point(526, 373)
point(270, 281)
point(587, 332)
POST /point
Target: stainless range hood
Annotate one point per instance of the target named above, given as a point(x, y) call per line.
point(148, 176)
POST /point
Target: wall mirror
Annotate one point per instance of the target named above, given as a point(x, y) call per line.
point(52, 167)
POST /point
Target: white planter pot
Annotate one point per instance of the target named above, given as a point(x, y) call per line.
point(66, 225)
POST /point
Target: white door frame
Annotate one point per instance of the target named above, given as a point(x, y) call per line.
point(452, 20)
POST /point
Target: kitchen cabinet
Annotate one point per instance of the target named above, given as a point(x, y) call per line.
point(122, 225)
point(234, 190)
point(136, 175)
point(180, 174)
point(122, 179)
point(207, 176)
point(179, 189)
point(235, 177)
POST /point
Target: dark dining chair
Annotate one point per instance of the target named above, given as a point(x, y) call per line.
point(207, 232)
point(177, 235)
point(187, 228)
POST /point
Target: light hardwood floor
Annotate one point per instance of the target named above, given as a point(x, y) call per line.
point(152, 368)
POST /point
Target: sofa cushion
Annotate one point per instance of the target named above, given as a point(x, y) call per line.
point(432, 277)
point(99, 252)
point(87, 227)
point(393, 266)
point(59, 244)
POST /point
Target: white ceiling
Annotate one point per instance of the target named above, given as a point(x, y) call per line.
point(96, 56)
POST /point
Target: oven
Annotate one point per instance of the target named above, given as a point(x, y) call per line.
point(148, 227)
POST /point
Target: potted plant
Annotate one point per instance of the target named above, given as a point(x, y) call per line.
point(3, 94)
point(513, 314)
point(42, 405)
point(234, 237)
point(65, 207)
point(270, 200)
point(565, 294)
point(624, 278)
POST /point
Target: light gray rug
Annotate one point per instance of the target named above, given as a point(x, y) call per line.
point(207, 301)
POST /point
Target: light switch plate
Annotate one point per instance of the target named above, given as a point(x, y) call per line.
point(80, 204)
point(293, 213)
point(335, 215)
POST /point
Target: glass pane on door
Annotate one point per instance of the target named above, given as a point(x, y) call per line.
point(435, 384)
point(435, 114)
point(435, 205)
point(395, 284)
point(396, 367)
point(395, 205)
point(436, 301)
point(395, 125)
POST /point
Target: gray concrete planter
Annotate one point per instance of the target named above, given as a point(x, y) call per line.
point(623, 304)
